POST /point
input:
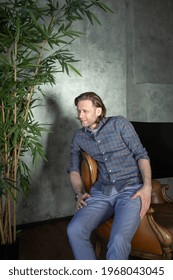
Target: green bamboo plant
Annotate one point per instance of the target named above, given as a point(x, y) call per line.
point(35, 37)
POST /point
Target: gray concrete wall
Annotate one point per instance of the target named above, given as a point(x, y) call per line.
point(149, 62)
point(127, 61)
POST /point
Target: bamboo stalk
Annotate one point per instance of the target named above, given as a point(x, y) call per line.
point(30, 94)
point(36, 72)
point(9, 228)
point(5, 218)
point(5, 135)
point(5, 224)
point(1, 223)
point(15, 161)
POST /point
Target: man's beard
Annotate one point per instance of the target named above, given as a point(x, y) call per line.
point(96, 123)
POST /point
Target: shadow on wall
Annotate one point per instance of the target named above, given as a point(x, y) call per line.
point(51, 194)
point(58, 147)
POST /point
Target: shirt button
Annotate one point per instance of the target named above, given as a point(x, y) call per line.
point(98, 141)
point(110, 170)
point(113, 181)
point(103, 153)
point(105, 158)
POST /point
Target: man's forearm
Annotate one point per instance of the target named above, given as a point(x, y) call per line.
point(76, 182)
point(145, 168)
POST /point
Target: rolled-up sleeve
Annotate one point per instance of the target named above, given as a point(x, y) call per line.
point(131, 139)
point(75, 156)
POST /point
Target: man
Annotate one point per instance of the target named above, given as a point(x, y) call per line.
point(123, 186)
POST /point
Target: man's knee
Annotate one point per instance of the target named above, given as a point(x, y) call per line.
point(74, 229)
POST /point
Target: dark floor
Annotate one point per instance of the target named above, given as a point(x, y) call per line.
point(45, 241)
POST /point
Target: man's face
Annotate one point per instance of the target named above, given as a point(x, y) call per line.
point(88, 113)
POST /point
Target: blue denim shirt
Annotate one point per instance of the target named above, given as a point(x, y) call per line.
point(116, 147)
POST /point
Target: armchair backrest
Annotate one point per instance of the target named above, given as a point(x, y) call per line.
point(88, 171)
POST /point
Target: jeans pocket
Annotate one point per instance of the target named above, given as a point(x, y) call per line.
point(95, 191)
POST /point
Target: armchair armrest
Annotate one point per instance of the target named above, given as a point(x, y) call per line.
point(151, 240)
point(164, 188)
point(159, 194)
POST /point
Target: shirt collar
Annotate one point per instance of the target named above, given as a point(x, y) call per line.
point(101, 123)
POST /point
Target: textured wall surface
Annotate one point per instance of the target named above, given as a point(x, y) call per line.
point(127, 61)
point(149, 60)
point(153, 42)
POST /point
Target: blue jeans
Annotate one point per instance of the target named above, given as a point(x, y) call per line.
point(99, 208)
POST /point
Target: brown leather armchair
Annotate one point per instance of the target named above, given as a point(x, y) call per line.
point(154, 236)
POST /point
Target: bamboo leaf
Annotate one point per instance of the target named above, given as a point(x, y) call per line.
point(74, 69)
point(95, 18)
point(104, 7)
point(88, 14)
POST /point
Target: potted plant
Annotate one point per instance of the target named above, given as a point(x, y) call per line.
point(34, 44)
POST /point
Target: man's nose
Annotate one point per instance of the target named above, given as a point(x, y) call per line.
point(81, 114)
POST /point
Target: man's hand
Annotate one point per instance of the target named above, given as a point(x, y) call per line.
point(81, 200)
point(145, 194)
point(76, 183)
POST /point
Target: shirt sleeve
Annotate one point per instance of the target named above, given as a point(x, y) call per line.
point(131, 138)
point(75, 156)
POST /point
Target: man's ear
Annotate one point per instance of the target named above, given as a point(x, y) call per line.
point(99, 111)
